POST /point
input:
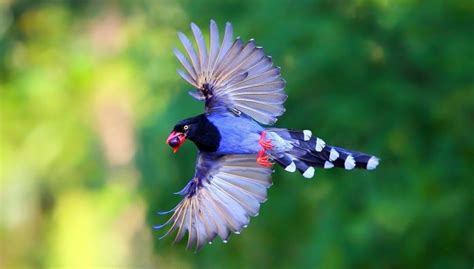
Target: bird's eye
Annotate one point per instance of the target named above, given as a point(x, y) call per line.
point(185, 127)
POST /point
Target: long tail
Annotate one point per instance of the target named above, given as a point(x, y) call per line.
point(304, 152)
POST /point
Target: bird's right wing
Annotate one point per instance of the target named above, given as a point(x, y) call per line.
point(224, 193)
point(234, 75)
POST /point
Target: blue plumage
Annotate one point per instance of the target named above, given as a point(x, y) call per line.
point(241, 89)
point(239, 135)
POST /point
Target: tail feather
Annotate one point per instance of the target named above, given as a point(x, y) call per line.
point(362, 160)
point(307, 152)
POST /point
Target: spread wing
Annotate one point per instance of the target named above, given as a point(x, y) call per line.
point(224, 193)
point(234, 75)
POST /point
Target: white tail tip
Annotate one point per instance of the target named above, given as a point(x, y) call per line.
point(328, 165)
point(349, 163)
point(372, 163)
point(320, 144)
point(309, 173)
point(333, 154)
point(307, 135)
point(291, 167)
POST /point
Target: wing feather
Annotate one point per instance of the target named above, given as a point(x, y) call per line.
point(220, 219)
point(225, 192)
point(201, 44)
point(234, 213)
point(213, 46)
point(181, 222)
point(248, 202)
point(240, 55)
point(226, 42)
point(191, 53)
point(230, 69)
point(186, 77)
point(230, 56)
point(256, 79)
point(189, 68)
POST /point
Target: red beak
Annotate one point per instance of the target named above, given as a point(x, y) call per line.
point(175, 140)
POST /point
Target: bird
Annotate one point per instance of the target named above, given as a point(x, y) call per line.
point(243, 95)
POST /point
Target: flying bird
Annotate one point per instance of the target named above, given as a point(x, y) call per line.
point(243, 94)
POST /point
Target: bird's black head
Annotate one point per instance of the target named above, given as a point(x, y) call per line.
point(199, 130)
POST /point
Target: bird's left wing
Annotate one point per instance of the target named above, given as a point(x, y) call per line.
point(224, 193)
point(233, 75)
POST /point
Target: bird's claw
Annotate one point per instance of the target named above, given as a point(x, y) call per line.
point(263, 159)
point(265, 143)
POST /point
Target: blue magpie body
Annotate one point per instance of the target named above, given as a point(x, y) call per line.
point(242, 91)
point(239, 135)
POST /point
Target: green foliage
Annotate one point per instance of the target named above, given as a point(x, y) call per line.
point(88, 94)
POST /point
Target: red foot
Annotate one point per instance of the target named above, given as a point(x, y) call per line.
point(263, 159)
point(265, 143)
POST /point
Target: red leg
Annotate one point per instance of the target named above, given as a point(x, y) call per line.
point(263, 159)
point(262, 156)
point(265, 143)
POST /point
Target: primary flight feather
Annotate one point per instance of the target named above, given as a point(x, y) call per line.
point(241, 89)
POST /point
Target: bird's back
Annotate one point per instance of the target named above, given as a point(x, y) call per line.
point(239, 135)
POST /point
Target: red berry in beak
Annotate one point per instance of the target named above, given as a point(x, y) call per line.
point(175, 140)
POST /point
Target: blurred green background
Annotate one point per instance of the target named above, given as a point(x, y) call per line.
point(89, 93)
